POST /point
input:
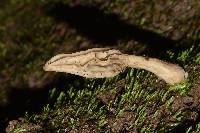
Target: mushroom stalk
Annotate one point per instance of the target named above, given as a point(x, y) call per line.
point(169, 72)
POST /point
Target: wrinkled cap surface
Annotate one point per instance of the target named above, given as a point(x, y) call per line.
point(92, 63)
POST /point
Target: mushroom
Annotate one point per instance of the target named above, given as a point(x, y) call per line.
point(106, 62)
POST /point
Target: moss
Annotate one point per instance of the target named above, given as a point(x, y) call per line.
point(75, 105)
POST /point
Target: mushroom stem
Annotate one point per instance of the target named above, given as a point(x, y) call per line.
point(171, 73)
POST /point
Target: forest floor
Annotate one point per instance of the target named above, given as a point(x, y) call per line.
point(32, 100)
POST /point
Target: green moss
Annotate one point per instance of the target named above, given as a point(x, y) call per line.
point(74, 104)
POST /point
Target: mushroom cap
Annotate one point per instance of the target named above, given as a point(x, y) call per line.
point(92, 63)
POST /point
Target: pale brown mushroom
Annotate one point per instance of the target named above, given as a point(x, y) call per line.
point(105, 62)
